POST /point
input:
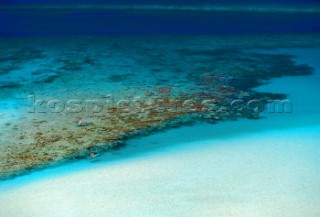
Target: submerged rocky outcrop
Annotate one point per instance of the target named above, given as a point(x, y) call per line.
point(97, 92)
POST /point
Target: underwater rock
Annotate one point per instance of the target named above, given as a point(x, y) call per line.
point(10, 85)
point(206, 70)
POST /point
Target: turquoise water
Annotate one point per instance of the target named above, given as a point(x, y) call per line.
point(227, 164)
point(266, 167)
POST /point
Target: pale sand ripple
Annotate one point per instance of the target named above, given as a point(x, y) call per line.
point(276, 174)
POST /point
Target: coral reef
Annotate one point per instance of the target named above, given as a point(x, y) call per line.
point(163, 85)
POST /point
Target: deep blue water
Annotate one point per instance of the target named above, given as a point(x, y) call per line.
point(146, 22)
point(135, 22)
point(157, 1)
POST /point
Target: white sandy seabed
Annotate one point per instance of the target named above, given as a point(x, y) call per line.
point(264, 168)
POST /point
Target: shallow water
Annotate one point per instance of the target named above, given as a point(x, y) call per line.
point(266, 167)
point(225, 163)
